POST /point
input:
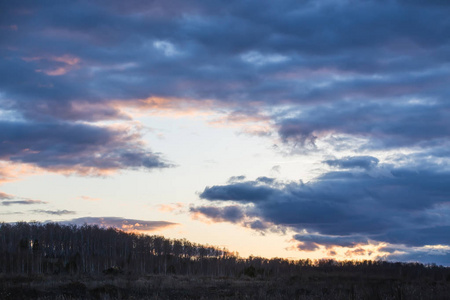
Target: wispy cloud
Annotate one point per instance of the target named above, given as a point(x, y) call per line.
point(22, 202)
point(172, 207)
point(123, 223)
point(4, 196)
point(7, 200)
point(363, 162)
point(54, 212)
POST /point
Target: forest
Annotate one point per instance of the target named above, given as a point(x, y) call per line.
point(54, 261)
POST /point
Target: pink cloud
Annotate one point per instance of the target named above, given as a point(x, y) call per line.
point(13, 171)
point(172, 207)
point(62, 64)
point(129, 225)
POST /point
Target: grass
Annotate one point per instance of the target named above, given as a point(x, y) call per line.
point(302, 286)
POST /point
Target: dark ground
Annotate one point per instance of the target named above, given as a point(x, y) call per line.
point(304, 286)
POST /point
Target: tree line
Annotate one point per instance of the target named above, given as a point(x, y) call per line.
point(52, 248)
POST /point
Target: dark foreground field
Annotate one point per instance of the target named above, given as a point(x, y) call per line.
point(308, 286)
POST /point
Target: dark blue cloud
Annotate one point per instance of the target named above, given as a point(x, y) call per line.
point(278, 53)
point(370, 69)
point(264, 179)
point(21, 202)
point(438, 256)
point(77, 147)
point(231, 213)
point(363, 162)
point(387, 125)
point(311, 242)
point(400, 206)
point(236, 178)
point(242, 192)
point(235, 214)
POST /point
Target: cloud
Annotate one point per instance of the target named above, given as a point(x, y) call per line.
point(233, 214)
point(4, 196)
point(236, 178)
point(81, 148)
point(245, 192)
point(56, 66)
point(399, 124)
point(11, 213)
point(22, 202)
point(275, 54)
point(349, 162)
point(10, 171)
point(266, 180)
point(124, 224)
point(259, 59)
point(311, 242)
point(429, 254)
point(177, 207)
point(307, 75)
point(54, 212)
point(7, 200)
point(393, 205)
point(166, 47)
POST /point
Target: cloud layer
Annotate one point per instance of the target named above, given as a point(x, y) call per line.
point(75, 147)
point(312, 67)
point(384, 204)
point(318, 56)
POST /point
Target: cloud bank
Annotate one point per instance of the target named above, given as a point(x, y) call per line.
point(317, 58)
point(400, 206)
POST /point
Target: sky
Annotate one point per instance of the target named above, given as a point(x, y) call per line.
point(293, 129)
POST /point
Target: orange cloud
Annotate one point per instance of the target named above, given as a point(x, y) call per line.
point(67, 59)
point(128, 225)
point(198, 216)
point(173, 207)
point(82, 171)
point(250, 123)
point(253, 123)
point(13, 171)
point(165, 106)
point(219, 114)
point(69, 62)
point(369, 251)
point(55, 72)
